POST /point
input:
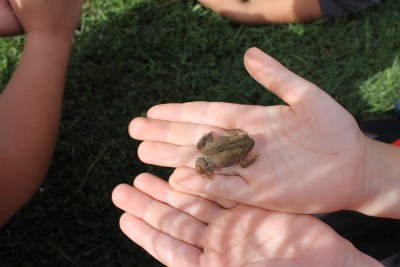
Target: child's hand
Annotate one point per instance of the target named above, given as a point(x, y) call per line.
point(312, 155)
point(180, 229)
point(48, 17)
point(9, 24)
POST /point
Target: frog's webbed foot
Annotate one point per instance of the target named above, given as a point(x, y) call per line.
point(208, 176)
point(206, 138)
point(251, 157)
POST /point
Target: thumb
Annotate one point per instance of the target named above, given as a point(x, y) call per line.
point(287, 85)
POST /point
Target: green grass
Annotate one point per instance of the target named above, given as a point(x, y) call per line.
point(128, 57)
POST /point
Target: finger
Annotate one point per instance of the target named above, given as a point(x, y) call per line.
point(162, 217)
point(165, 248)
point(168, 132)
point(227, 204)
point(287, 85)
point(216, 114)
point(167, 155)
point(226, 190)
point(198, 207)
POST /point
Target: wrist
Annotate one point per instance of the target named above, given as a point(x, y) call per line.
point(382, 179)
point(50, 37)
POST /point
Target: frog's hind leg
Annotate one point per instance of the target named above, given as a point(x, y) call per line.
point(205, 166)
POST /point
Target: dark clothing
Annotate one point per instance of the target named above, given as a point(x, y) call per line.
point(377, 237)
point(335, 8)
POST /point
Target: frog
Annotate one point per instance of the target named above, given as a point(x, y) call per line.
point(224, 151)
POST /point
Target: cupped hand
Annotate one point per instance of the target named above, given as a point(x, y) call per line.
point(312, 155)
point(180, 229)
point(9, 25)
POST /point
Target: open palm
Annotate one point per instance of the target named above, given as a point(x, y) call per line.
point(180, 229)
point(312, 153)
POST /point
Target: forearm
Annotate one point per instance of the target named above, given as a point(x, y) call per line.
point(384, 181)
point(30, 108)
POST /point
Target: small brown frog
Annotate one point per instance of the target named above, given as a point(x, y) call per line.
point(224, 151)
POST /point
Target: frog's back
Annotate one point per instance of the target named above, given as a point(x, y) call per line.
point(226, 151)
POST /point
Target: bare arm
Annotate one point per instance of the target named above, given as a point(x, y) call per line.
point(31, 102)
point(262, 12)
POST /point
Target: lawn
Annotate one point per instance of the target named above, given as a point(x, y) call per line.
point(129, 55)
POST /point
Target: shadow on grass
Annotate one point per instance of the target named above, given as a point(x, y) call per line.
point(139, 55)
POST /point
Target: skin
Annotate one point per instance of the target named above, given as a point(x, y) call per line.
point(266, 11)
point(9, 24)
point(30, 105)
point(180, 229)
point(313, 156)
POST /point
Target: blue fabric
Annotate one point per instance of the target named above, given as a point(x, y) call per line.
point(335, 8)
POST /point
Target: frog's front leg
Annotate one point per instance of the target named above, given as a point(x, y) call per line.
point(247, 161)
point(206, 138)
point(205, 166)
point(235, 132)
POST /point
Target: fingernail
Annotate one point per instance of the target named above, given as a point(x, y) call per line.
point(255, 57)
